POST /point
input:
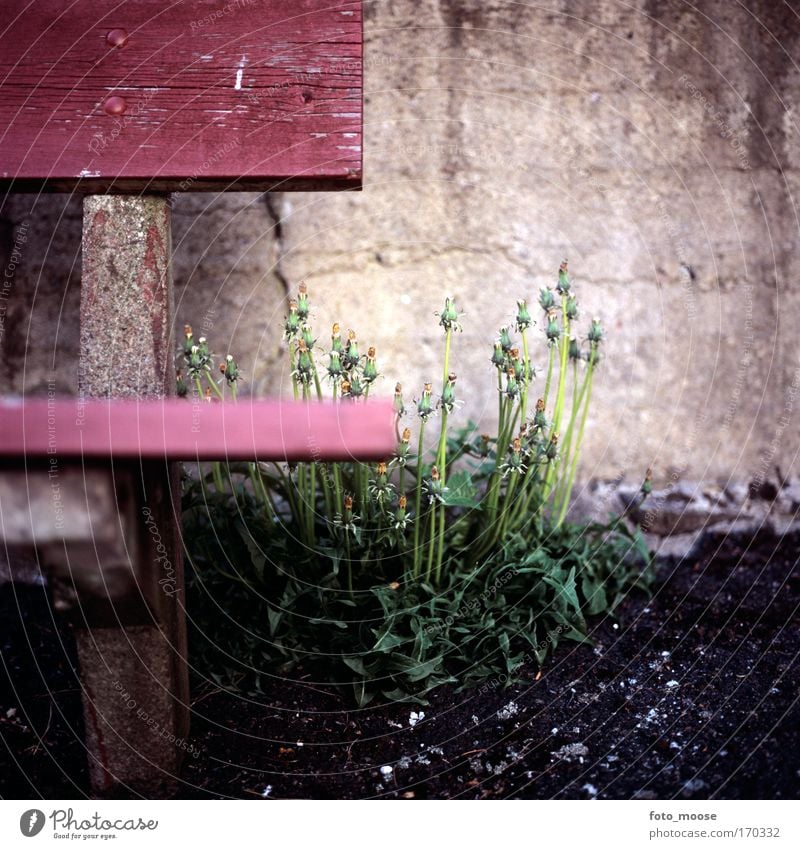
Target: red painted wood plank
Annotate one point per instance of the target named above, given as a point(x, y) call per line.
point(183, 430)
point(178, 96)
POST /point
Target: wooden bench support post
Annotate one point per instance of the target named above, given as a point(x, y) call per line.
point(134, 672)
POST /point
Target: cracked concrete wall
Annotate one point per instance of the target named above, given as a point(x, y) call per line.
point(654, 144)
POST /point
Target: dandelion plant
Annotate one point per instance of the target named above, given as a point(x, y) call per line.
point(406, 530)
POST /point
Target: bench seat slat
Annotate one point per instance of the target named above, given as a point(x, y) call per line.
point(182, 430)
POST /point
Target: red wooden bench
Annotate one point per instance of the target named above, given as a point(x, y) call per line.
point(140, 99)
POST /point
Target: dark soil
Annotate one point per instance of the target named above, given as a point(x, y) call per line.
point(692, 694)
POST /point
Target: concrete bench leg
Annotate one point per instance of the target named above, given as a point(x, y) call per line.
point(135, 675)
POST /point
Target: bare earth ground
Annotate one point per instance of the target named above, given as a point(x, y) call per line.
point(692, 694)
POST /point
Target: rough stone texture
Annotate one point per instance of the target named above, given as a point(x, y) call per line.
point(127, 350)
point(653, 143)
point(126, 298)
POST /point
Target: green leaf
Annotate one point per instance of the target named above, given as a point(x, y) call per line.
point(461, 491)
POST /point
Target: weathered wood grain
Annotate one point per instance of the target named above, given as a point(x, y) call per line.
point(194, 95)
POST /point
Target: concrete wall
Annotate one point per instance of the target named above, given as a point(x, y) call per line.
point(654, 144)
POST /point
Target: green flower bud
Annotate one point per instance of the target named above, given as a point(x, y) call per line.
point(563, 279)
point(370, 367)
point(203, 351)
point(518, 366)
point(505, 340)
point(334, 366)
point(647, 484)
point(551, 450)
point(181, 389)
point(356, 387)
point(351, 355)
point(336, 340)
point(230, 370)
point(572, 308)
point(195, 363)
point(307, 336)
point(512, 386)
point(596, 331)
point(188, 340)
point(539, 419)
point(402, 447)
point(292, 323)
point(305, 364)
point(425, 404)
point(524, 319)
point(448, 318)
point(498, 357)
point(302, 303)
point(401, 519)
point(448, 400)
point(553, 331)
point(546, 300)
point(399, 406)
point(574, 349)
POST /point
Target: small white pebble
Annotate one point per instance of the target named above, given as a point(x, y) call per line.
point(664, 654)
point(554, 730)
point(590, 789)
point(387, 770)
point(266, 791)
point(299, 744)
point(615, 626)
point(672, 684)
point(415, 717)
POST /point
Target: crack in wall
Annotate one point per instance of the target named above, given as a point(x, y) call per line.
point(271, 201)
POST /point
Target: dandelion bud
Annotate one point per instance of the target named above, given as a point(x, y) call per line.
point(484, 447)
point(334, 366)
point(308, 337)
point(551, 451)
point(539, 419)
point(345, 387)
point(208, 395)
point(370, 367)
point(188, 340)
point(336, 340)
point(406, 435)
point(498, 357)
point(348, 502)
point(524, 320)
point(351, 356)
point(401, 502)
point(546, 300)
point(505, 340)
point(448, 399)
point(647, 484)
point(399, 406)
point(305, 365)
point(292, 323)
point(356, 389)
point(230, 370)
point(449, 315)
point(512, 386)
point(563, 279)
point(302, 302)
point(553, 330)
point(425, 405)
point(574, 349)
point(434, 473)
point(572, 308)
point(181, 389)
point(596, 331)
